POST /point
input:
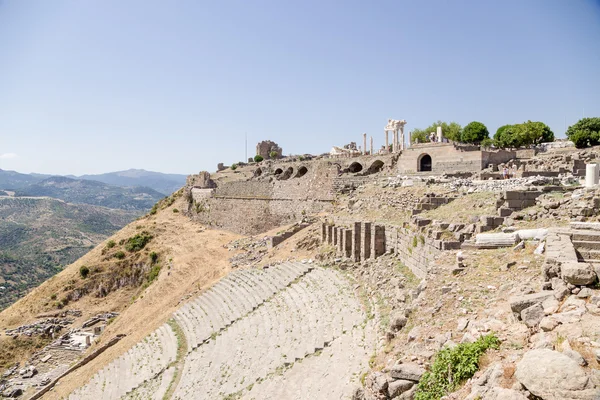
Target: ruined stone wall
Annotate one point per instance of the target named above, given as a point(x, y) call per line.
point(445, 158)
point(500, 156)
point(260, 204)
point(360, 241)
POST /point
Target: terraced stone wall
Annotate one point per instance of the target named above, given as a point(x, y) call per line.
point(412, 248)
point(257, 205)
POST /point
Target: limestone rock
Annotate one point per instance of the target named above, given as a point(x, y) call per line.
point(398, 387)
point(548, 324)
point(577, 273)
point(498, 393)
point(410, 372)
point(532, 316)
point(554, 376)
point(398, 322)
point(519, 303)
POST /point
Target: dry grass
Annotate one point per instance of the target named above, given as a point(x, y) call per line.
point(198, 259)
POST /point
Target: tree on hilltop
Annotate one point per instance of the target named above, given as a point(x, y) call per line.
point(586, 132)
point(474, 132)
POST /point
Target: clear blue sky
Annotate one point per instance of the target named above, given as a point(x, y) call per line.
point(172, 86)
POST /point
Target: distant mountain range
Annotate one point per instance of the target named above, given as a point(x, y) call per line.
point(82, 191)
point(163, 183)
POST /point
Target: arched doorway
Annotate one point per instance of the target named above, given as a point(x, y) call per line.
point(425, 163)
point(375, 167)
point(355, 167)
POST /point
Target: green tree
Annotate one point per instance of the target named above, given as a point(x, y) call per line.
point(258, 158)
point(474, 132)
point(525, 134)
point(273, 154)
point(586, 132)
point(419, 136)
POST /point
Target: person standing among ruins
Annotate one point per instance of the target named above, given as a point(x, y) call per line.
point(505, 172)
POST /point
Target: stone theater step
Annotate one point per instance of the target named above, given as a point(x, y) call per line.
point(231, 298)
point(308, 313)
point(142, 362)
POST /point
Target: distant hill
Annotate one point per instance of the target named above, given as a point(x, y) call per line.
point(15, 180)
point(81, 191)
point(38, 236)
point(163, 183)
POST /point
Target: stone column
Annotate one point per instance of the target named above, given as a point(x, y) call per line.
point(340, 236)
point(402, 143)
point(347, 250)
point(334, 238)
point(387, 143)
point(377, 240)
point(371, 145)
point(409, 138)
point(365, 238)
point(356, 242)
point(439, 134)
point(323, 232)
point(591, 175)
point(364, 143)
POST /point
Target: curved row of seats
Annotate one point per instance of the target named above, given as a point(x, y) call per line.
point(332, 374)
point(298, 321)
point(231, 298)
point(142, 362)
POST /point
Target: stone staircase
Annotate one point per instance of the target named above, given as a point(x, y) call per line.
point(143, 362)
point(587, 245)
point(246, 333)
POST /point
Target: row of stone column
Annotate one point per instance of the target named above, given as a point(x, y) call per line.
point(363, 240)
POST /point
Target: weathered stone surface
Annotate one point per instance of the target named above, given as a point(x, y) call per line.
point(554, 376)
point(519, 303)
point(398, 387)
point(532, 316)
point(577, 273)
point(398, 322)
point(498, 393)
point(548, 324)
point(409, 371)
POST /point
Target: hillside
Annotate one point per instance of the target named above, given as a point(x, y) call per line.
point(163, 183)
point(38, 236)
point(82, 191)
point(15, 180)
point(364, 296)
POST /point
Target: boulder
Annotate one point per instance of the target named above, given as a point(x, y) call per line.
point(409, 372)
point(519, 303)
point(554, 376)
point(548, 324)
point(398, 387)
point(398, 322)
point(577, 273)
point(532, 316)
point(498, 393)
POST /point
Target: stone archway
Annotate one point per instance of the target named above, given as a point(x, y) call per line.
point(355, 167)
point(301, 172)
point(375, 167)
point(424, 163)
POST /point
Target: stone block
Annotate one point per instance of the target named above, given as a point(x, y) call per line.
point(577, 273)
point(519, 303)
point(532, 316)
point(409, 372)
point(365, 236)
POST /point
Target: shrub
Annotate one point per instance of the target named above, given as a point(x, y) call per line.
point(110, 244)
point(119, 255)
point(258, 158)
point(154, 209)
point(234, 167)
point(138, 242)
point(474, 132)
point(586, 132)
point(273, 154)
point(84, 271)
point(175, 210)
point(453, 366)
point(153, 257)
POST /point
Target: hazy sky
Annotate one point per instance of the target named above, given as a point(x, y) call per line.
point(173, 86)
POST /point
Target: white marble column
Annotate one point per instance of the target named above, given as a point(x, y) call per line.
point(364, 143)
point(371, 145)
point(387, 142)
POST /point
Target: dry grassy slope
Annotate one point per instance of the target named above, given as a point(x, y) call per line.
point(198, 259)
